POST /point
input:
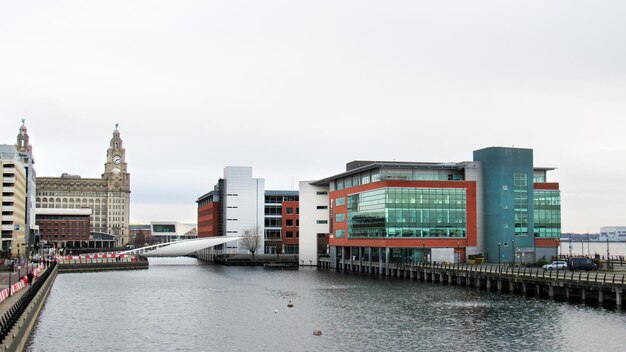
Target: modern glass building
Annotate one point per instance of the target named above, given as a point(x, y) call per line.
point(498, 207)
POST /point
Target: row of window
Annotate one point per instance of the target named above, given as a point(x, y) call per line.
point(407, 212)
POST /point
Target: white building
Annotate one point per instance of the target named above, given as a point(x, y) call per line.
point(244, 198)
point(613, 233)
point(314, 216)
point(14, 199)
point(168, 231)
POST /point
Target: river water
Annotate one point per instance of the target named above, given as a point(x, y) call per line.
point(181, 304)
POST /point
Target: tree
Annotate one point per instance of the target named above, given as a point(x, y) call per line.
point(140, 239)
point(251, 240)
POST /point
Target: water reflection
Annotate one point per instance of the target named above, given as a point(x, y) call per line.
point(180, 304)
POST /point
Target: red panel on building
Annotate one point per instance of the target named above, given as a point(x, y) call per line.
point(291, 223)
point(208, 220)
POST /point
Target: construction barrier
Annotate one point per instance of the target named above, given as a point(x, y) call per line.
point(4, 294)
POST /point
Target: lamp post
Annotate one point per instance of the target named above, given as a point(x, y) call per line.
point(10, 272)
point(18, 260)
point(608, 261)
point(498, 255)
point(514, 256)
point(458, 251)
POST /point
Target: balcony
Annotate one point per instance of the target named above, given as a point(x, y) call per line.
point(8, 208)
point(7, 227)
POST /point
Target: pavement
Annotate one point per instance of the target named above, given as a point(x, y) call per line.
point(4, 283)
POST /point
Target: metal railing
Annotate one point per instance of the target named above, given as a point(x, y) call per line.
point(11, 317)
point(508, 270)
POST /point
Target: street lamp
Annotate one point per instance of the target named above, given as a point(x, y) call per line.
point(10, 271)
point(498, 255)
point(514, 256)
point(608, 260)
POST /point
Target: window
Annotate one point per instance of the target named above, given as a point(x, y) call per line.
point(322, 207)
point(339, 217)
point(321, 193)
point(289, 210)
point(321, 222)
point(289, 222)
point(340, 233)
point(340, 201)
point(289, 234)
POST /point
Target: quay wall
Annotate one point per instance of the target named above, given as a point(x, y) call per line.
point(107, 266)
point(17, 338)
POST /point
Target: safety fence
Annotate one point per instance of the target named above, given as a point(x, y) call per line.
point(20, 284)
point(98, 258)
point(11, 317)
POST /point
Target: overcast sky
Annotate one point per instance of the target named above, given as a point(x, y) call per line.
point(296, 89)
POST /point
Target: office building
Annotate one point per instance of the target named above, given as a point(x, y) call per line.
point(240, 203)
point(498, 207)
point(14, 200)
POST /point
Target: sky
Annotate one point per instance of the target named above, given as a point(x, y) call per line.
point(296, 89)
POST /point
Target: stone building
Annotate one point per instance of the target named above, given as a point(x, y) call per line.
point(108, 197)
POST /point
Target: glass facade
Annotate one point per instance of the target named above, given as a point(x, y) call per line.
point(547, 213)
point(408, 212)
point(520, 190)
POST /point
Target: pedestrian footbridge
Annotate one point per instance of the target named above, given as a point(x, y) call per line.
point(180, 248)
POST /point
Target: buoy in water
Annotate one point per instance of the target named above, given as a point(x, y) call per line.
point(276, 311)
point(290, 305)
point(317, 332)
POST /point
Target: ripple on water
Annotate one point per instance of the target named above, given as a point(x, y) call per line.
point(191, 307)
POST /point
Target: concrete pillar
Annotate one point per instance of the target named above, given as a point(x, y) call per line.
point(600, 296)
point(567, 293)
point(538, 290)
point(369, 269)
point(551, 291)
point(583, 295)
point(351, 259)
point(380, 261)
point(499, 284)
point(449, 278)
point(488, 279)
point(411, 274)
point(360, 259)
point(477, 282)
point(387, 252)
point(458, 280)
point(511, 286)
point(418, 274)
point(524, 288)
point(618, 298)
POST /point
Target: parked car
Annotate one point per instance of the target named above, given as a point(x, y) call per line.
point(581, 264)
point(555, 265)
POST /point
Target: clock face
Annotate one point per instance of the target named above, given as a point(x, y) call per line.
point(117, 159)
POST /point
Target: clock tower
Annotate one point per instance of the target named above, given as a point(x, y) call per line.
point(118, 190)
